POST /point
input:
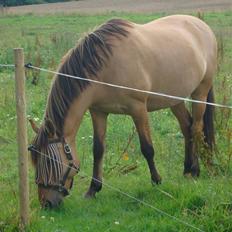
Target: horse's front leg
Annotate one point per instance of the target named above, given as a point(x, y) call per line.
point(99, 126)
point(140, 117)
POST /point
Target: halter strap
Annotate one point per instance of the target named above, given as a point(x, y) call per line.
point(68, 153)
point(58, 188)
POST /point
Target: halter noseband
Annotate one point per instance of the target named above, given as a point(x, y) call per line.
point(68, 153)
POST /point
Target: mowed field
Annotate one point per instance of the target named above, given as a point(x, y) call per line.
point(100, 6)
point(205, 204)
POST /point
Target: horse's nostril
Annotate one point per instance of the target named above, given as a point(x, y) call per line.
point(47, 205)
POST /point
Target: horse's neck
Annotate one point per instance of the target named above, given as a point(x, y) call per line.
point(75, 114)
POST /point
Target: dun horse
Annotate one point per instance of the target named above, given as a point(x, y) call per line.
point(175, 55)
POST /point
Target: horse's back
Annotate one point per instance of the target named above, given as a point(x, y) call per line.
point(191, 29)
point(170, 55)
point(180, 49)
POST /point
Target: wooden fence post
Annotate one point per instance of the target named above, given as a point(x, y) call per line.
point(22, 137)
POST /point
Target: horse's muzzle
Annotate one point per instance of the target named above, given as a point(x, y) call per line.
point(51, 204)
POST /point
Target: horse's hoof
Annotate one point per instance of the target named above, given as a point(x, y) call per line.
point(156, 181)
point(188, 175)
point(90, 195)
point(194, 172)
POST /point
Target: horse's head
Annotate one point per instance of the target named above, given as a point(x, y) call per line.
point(54, 164)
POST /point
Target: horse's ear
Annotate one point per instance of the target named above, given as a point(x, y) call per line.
point(49, 128)
point(34, 126)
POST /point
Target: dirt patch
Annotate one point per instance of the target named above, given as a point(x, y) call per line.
point(103, 6)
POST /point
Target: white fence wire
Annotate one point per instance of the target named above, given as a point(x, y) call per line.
point(130, 89)
point(123, 87)
point(124, 193)
point(7, 65)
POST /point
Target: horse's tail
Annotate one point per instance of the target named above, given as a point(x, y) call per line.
point(208, 121)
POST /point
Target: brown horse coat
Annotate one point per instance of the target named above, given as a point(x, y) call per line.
point(175, 55)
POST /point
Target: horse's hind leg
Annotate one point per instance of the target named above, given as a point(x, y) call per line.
point(198, 111)
point(99, 126)
point(140, 118)
point(191, 165)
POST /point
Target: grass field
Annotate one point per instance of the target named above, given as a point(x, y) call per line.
point(205, 203)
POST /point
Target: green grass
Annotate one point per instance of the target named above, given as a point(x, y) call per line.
point(205, 203)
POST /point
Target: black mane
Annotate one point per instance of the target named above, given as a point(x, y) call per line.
point(85, 61)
